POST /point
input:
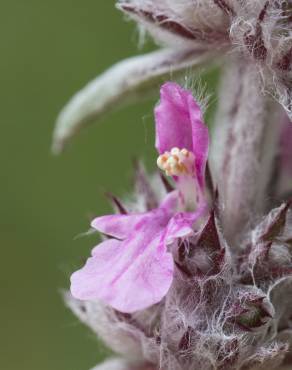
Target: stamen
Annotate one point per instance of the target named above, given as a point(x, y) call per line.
point(177, 162)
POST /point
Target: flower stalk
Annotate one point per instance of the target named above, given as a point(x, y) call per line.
point(243, 151)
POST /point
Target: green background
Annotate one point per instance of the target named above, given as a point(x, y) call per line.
point(49, 50)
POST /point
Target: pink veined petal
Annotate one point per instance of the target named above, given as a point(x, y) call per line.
point(171, 202)
point(173, 128)
point(119, 226)
point(84, 281)
point(179, 123)
point(129, 275)
point(182, 224)
point(200, 139)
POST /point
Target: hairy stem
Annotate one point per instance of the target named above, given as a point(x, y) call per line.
point(244, 146)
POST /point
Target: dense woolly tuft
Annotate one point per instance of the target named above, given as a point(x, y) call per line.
point(226, 309)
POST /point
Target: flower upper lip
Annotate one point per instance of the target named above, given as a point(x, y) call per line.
point(179, 124)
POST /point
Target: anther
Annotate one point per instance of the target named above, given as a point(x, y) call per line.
point(177, 162)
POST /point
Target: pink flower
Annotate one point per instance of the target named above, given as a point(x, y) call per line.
point(134, 269)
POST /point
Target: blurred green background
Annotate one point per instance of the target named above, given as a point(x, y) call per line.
point(49, 50)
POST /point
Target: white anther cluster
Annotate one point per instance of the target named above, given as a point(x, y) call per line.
point(177, 162)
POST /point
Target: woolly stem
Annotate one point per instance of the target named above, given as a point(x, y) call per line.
point(244, 146)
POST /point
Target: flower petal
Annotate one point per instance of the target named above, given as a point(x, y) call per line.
point(173, 125)
point(200, 139)
point(182, 224)
point(179, 123)
point(170, 203)
point(129, 275)
point(119, 226)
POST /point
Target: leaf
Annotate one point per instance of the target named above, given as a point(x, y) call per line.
point(280, 295)
point(159, 19)
point(126, 81)
point(280, 86)
point(209, 238)
point(241, 149)
point(273, 224)
point(251, 310)
point(208, 255)
point(120, 336)
point(121, 364)
point(117, 204)
point(172, 27)
point(267, 357)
